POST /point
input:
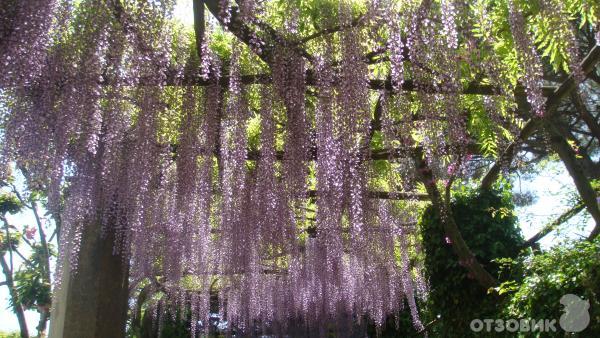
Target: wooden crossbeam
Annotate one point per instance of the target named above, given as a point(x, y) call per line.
point(385, 195)
point(246, 34)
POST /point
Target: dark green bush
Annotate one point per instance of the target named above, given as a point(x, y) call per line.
point(488, 225)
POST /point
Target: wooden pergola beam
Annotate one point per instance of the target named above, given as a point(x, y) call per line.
point(312, 153)
point(385, 195)
point(266, 53)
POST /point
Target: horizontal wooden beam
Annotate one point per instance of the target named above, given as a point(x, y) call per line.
point(384, 195)
point(312, 153)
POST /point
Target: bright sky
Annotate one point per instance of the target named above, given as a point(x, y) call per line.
point(547, 186)
point(551, 187)
point(8, 321)
point(184, 12)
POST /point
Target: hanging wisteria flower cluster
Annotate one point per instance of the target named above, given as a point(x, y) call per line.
point(529, 58)
point(128, 130)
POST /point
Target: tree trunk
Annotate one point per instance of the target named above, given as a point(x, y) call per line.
point(582, 183)
point(43, 323)
point(92, 302)
point(459, 246)
point(44, 309)
point(17, 307)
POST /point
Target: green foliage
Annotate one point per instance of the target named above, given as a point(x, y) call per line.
point(175, 326)
point(11, 241)
point(489, 227)
point(32, 287)
point(572, 268)
point(400, 326)
point(490, 24)
point(9, 203)
point(253, 132)
point(483, 128)
point(485, 218)
point(552, 25)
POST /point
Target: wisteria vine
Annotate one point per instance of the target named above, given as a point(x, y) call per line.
point(281, 234)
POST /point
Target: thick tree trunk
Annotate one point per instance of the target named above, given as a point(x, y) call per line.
point(92, 302)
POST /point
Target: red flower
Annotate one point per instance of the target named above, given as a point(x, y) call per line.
point(30, 232)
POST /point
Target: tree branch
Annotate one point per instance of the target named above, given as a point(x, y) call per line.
point(16, 305)
point(583, 158)
point(245, 34)
point(509, 152)
point(459, 246)
point(43, 241)
point(565, 216)
point(27, 261)
point(354, 23)
point(239, 28)
point(585, 115)
point(582, 183)
point(588, 65)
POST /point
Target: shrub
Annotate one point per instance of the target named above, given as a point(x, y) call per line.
point(572, 267)
point(489, 227)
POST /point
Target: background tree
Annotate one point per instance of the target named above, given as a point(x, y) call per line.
point(27, 252)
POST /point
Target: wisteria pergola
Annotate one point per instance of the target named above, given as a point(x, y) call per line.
point(146, 149)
